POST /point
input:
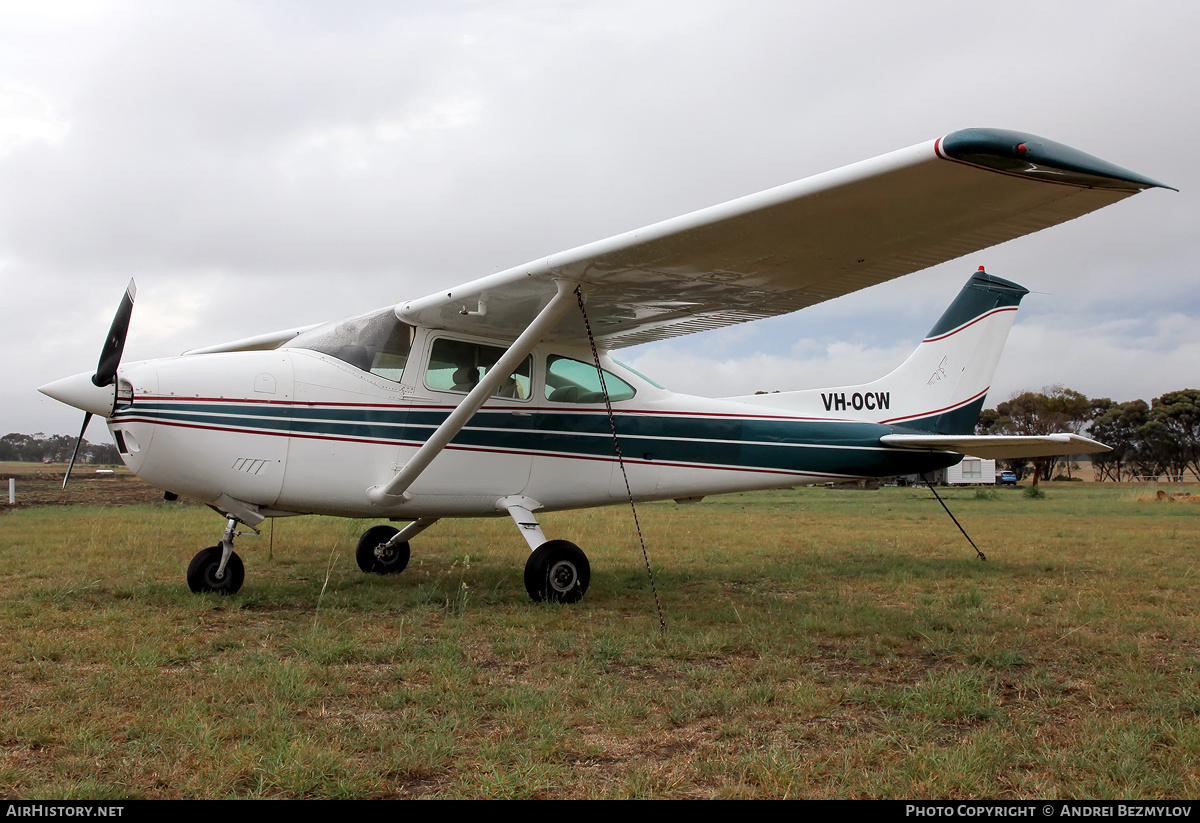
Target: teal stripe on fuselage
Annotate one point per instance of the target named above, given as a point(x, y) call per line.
point(807, 446)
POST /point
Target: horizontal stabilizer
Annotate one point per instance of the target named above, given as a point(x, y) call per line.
point(997, 446)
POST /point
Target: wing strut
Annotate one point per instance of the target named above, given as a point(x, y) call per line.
point(392, 493)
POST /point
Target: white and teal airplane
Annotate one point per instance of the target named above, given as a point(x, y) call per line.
point(499, 397)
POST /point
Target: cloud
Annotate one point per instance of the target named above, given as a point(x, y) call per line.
point(1119, 357)
point(25, 117)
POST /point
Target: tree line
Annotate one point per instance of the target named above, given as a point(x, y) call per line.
point(1160, 439)
point(57, 448)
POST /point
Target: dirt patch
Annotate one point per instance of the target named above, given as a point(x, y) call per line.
point(44, 488)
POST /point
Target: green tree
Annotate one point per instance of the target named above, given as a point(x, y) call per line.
point(28, 448)
point(34, 448)
point(1053, 410)
point(1172, 433)
point(1119, 426)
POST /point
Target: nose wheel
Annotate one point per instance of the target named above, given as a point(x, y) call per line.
point(205, 575)
point(217, 569)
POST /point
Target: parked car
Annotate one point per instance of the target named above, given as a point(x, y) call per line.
point(1006, 478)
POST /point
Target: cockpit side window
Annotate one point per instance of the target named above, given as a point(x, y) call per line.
point(377, 343)
point(458, 365)
point(573, 381)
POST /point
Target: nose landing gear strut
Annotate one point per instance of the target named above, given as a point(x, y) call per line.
point(217, 569)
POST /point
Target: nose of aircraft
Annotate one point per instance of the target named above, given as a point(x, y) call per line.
point(79, 391)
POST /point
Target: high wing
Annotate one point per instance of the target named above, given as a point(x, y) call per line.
point(998, 446)
point(796, 245)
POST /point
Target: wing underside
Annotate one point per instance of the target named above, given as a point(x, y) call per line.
point(787, 248)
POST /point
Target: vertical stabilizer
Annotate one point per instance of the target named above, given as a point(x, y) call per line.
point(941, 387)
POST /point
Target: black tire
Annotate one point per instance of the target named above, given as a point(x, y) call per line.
point(557, 572)
point(395, 559)
point(202, 572)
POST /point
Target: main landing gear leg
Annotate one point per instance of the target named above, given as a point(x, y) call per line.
point(557, 570)
point(217, 568)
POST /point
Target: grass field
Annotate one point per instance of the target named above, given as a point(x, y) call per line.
point(819, 643)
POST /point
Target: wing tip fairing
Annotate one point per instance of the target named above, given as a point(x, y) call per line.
point(1027, 155)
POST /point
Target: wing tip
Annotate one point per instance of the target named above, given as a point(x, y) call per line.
point(1027, 155)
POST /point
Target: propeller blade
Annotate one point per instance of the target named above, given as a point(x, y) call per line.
point(110, 356)
point(87, 418)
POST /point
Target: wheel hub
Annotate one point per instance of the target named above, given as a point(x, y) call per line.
point(563, 576)
point(214, 576)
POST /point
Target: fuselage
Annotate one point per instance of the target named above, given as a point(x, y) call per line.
point(297, 430)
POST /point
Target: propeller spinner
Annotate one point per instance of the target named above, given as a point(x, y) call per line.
point(96, 393)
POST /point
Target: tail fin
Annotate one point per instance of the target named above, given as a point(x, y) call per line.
point(941, 387)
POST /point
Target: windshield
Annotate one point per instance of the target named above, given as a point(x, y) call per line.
point(376, 342)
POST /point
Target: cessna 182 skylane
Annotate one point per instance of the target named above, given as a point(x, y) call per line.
point(489, 399)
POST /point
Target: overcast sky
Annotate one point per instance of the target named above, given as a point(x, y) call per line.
point(262, 165)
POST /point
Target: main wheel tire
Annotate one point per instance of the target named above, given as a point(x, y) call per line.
point(393, 560)
point(558, 571)
point(202, 572)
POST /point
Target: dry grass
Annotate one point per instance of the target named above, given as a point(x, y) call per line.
point(819, 644)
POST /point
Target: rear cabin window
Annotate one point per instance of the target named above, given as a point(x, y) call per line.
point(456, 365)
point(573, 381)
point(377, 343)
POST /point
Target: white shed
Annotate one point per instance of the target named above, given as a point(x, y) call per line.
point(972, 470)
